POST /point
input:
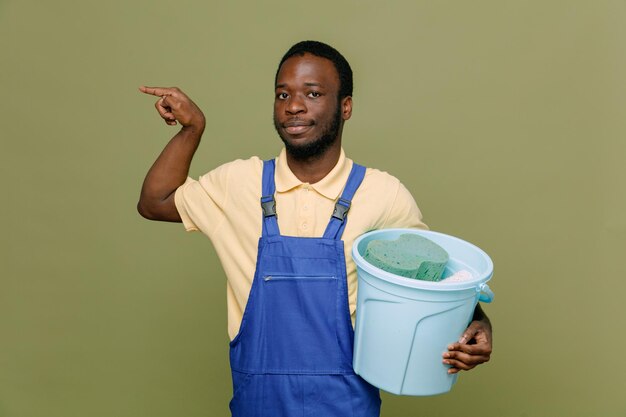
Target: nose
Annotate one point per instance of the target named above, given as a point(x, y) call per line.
point(295, 105)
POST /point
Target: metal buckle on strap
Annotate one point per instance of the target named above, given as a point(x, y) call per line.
point(268, 204)
point(341, 209)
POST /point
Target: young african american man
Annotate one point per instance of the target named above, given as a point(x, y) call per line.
point(283, 237)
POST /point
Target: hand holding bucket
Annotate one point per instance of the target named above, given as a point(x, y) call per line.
point(404, 325)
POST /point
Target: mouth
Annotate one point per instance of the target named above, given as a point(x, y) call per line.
point(296, 127)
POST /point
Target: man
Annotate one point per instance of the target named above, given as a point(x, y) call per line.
point(292, 298)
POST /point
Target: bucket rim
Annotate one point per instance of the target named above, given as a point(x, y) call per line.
point(376, 272)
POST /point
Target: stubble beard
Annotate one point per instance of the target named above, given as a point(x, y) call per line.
point(316, 148)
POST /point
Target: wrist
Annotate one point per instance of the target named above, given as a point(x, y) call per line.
point(479, 315)
point(484, 322)
point(196, 128)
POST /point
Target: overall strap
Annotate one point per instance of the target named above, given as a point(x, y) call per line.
point(337, 223)
point(268, 204)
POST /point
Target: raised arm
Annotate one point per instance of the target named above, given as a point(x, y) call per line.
point(170, 170)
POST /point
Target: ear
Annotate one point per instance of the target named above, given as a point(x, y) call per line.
point(346, 107)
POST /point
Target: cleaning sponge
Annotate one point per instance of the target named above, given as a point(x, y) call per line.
point(410, 256)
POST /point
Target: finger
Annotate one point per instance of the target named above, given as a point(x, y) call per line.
point(469, 333)
point(465, 366)
point(475, 349)
point(164, 102)
point(156, 91)
point(454, 369)
point(170, 102)
point(463, 360)
point(164, 110)
point(466, 357)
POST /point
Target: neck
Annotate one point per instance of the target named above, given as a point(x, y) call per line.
point(313, 169)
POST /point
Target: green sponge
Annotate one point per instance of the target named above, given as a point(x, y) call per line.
point(411, 256)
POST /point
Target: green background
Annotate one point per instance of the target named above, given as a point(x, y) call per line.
point(505, 119)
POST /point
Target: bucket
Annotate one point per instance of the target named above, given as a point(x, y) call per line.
point(404, 325)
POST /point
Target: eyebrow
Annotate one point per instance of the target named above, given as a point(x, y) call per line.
point(307, 84)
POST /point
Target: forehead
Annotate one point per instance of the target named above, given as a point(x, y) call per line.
point(308, 69)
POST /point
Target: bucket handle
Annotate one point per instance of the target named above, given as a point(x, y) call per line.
point(486, 295)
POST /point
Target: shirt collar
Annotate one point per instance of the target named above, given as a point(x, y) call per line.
point(330, 186)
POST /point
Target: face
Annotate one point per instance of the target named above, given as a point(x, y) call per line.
point(308, 115)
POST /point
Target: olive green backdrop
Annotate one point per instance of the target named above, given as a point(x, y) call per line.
point(505, 119)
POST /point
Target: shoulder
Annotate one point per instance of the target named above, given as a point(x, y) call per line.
point(249, 169)
point(252, 165)
point(383, 197)
point(380, 183)
point(381, 177)
point(386, 186)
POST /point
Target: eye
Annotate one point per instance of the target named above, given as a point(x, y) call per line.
point(281, 96)
point(315, 94)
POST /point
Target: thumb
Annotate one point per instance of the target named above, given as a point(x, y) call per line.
point(469, 333)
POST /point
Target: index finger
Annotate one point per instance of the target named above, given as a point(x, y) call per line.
point(155, 91)
point(477, 349)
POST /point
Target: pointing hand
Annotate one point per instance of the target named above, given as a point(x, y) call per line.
point(174, 105)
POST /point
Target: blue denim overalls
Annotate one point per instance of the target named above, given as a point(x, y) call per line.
point(293, 354)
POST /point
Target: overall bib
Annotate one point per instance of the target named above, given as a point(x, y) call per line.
point(292, 356)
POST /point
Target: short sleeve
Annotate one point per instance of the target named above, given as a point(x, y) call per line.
point(201, 203)
point(404, 212)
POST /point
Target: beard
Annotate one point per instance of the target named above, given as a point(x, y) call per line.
point(316, 147)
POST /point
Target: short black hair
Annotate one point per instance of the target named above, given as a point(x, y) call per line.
point(324, 51)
